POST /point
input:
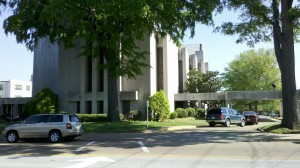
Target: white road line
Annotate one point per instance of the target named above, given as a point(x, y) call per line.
point(81, 148)
point(145, 149)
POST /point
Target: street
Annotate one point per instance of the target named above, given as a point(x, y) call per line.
point(201, 147)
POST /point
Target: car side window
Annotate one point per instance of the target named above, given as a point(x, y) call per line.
point(224, 111)
point(73, 118)
point(57, 118)
point(44, 119)
point(231, 112)
point(32, 120)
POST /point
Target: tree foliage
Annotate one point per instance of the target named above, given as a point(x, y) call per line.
point(44, 102)
point(199, 82)
point(252, 70)
point(275, 20)
point(108, 29)
point(160, 105)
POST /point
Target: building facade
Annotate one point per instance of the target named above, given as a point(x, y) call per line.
point(82, 87)
point(15, 88)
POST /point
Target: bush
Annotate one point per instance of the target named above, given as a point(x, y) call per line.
point(92, 117)
point(200, 113)
point(182, 113)
point(191, 112)
point(160, 105)
point(173, 115)
point(44, 102)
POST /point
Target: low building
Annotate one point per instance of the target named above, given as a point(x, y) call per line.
point(13, 95)
point(15, 88)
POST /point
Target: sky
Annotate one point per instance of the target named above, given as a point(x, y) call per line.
point(219, 50)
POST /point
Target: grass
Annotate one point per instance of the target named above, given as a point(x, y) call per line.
point(278, 129)
point(137, 126)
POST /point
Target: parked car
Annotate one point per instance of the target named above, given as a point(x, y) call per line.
point(251, 117)
point(55, 127)
point(225, 116)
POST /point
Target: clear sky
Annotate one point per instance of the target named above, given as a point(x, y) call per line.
point(17, 62)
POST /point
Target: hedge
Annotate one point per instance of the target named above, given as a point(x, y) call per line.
point(92, 117)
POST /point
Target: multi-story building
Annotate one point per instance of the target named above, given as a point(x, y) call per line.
point(15, 88)
point(82, 88)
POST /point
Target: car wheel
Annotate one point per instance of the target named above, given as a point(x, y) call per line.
point(243, 123)
point(227, 123)
point(12, 137)
point(211, 124)
point(54, 136)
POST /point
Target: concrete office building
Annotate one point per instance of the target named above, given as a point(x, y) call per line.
point(82, 87)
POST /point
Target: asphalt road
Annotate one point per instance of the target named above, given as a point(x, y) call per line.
point(201, 147)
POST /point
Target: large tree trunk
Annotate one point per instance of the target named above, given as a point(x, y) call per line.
point(113, 99)
point(284, 50)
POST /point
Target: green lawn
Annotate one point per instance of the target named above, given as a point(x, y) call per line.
point(278, 129)
point(137, 126)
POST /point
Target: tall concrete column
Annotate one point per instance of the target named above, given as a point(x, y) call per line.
point(83, 85)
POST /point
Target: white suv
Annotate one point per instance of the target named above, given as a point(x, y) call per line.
point(55, 127)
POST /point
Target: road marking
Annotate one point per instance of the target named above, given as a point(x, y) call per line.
point(81, 148)
point(145, 149)
point(88, 162)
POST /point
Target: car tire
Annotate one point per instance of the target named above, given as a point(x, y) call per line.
point(227, 123)
point(243, 123)
point(12, 137)
point(211, 124)
point(54, 136)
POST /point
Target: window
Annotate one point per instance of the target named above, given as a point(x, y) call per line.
point(18, 87)
point(28, 88)
point(1, 86)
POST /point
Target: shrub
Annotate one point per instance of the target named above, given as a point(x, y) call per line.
point(92, 117)
point(173, 115)
point(191, 112)
point(43, 102)
point(160, 105)
point(182, 113)
point(200, 113)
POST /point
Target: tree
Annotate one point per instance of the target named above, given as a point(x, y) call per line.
point(199, 82)
point(252, 70)
point(261, 20)
point(108, 29)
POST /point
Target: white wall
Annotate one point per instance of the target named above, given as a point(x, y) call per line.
point(171, 84)
point(11, 91)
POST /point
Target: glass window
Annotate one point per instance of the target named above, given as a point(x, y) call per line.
point(1, 86)
point(44, 119)
point(28, 88)
point(57, 118)
point(73, 118)
point(32, 120)
point(18, 87)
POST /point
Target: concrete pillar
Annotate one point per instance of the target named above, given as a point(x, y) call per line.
point(82, 85)
point(228, 103)
point(94, 86)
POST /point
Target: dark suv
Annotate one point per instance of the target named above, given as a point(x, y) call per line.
point(225, 116)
